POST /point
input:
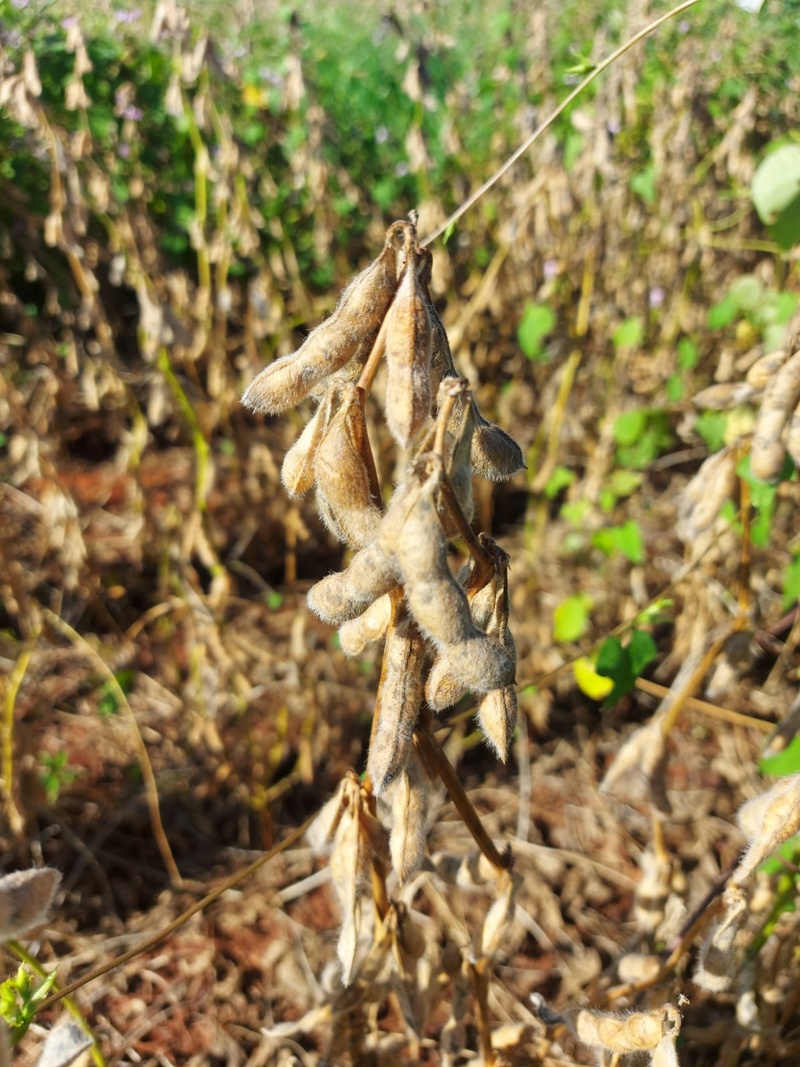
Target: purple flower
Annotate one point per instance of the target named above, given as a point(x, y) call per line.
point(684, 26)
point(128, 16)
point(656, 297)
point(133, 113)
point(550, 270)
point(613, 126)
point(69, 22)
point(124, 151)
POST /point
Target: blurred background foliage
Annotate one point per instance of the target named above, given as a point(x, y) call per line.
point(184, 189)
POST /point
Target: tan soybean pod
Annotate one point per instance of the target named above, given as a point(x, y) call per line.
point(408, 359)
point(399, 701)
point(346, 594)
point(497, 717)
point(342, 472)
point(346, 337)
point(370, 626)
point(780, 399)
point(435, 598)
point(297, 471)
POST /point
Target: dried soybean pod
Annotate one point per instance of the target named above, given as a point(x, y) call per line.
point(724, 395)
point(409, 799)
point(349, 864)
point(297, 472)
point(701, 500)
point(635, 1031)
point(342, 470)
point(346, 337)
point(780, 399)
point(443, 687)
point(461, 426)
point(348, 593)
point(435, 599)
point(762, 371)
point(355, 635)
point(398, 704)
point(495, 455)
point(497, 716)
point(408, 359)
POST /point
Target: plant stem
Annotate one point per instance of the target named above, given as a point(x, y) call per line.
point(184, 917)
point(12, 687)
point(433, 756)
point(548, 122)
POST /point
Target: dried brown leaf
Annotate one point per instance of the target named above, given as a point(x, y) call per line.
point(25, 899)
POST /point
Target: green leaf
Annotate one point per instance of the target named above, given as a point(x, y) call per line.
point(688, 354)
point(641, 649)
point(575, 511)
point(629, 333)
point(782, 763)
point(571, 617)
point(629, 426)
point(674, 388)
point(614, 661)
point(537, 321)
point(747, 291)
point(558, 480)
point(723, 313)
point(711, 425)
point(644, 184)
point(626, 539)
point(791, 584)
point(776, 183)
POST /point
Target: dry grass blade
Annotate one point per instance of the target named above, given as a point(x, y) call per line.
point(717, 967)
